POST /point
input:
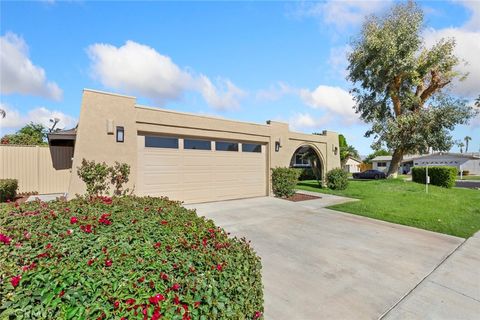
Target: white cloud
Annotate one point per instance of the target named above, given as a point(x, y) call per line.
point(338, 59)
point(275, 92)
point(334, 100)
point(306, 122)
point(341, 14)
point(15, 120)
point(19, 75)
point(467, 48)
point(140, 69)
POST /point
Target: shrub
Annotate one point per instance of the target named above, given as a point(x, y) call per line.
point(337, 179)
point(443, 176)
point(118, 177)
point(95, 176)
point(305, 174)
point(8, 189)
point(284, 181)
point(108, 258)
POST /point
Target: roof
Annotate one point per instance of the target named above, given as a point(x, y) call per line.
point(69, 134)
point(354, 159)
point(382, 158)
point(450, 154)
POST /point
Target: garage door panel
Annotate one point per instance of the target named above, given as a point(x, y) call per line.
point(201, 175)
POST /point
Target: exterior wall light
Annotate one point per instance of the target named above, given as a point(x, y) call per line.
point(120, 134)
point(278, 145)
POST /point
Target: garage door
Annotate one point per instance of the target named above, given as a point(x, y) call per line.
point(200, 170)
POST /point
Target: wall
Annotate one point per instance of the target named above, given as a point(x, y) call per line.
point(32, 166)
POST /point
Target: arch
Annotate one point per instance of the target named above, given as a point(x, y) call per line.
point(304, 147)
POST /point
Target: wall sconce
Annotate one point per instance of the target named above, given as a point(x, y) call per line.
point(120, 134)
point(278, 145)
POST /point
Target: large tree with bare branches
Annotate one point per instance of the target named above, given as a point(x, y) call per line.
point(401, 87)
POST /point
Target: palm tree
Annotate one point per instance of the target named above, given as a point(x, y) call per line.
point(312, 157)
point(467, 139)
point(461, 145)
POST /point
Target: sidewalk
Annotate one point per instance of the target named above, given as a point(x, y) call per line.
point(451, 291)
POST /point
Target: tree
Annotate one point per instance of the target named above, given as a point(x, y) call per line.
point(477, 102)
point(346, 150)
point(400, 85)
point(376, 153)
point(460, 144)
point(31, 134)
point(467, 139)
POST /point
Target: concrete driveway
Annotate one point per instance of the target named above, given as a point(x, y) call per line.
point(323, 264)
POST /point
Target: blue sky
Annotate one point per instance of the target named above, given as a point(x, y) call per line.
point(239, 60)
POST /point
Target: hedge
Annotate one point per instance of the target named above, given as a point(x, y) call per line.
point(284, 181)
point(337, 179)
point(8, 189)
point(123, 258)
point(443, 176)
point(305, 174)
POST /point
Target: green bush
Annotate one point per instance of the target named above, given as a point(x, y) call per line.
point(337, 179)
point(443, 176)
point(284, 181)
point(305, 174)
point(8, 189)
point(108, 258)
point(96, 176)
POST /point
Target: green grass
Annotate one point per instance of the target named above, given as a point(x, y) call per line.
point(477, 178)
point(452, 211)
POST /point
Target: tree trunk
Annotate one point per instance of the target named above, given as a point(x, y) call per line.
point(397, 158)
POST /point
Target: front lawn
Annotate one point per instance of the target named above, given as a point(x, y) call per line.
point(123, 258)
point(476, 178)
point(452, 211)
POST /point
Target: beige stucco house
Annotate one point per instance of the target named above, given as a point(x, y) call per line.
point(186, 157)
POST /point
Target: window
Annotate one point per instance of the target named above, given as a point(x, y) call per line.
point(120, 134)
point(381, 164)
point(197, 144)
point(251, 147)
point(226, 146)
point(301, 160)
point(161, 142)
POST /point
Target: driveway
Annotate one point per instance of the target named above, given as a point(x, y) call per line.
point(323, 264)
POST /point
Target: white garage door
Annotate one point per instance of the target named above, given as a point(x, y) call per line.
point(200, 170)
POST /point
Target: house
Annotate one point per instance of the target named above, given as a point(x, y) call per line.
point(187, 157)
point(382, 163)
point(352, 165)
point(462, 161)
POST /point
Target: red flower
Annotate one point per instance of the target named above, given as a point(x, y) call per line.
point(157, 245)
point(15, 281)
point(156, 299)
point(175, 287)
point(140, 280)
point(104, 219)
point(130, 301)
point(116, 304)
point(90, 262)
point(61, 293)
point(164, 222)
point(87, 228)
point(196, 304)
point(164, 276)
point(204, 242)
point(257, 315)
point(48, 246)
point(5, 239)
point(108, 263)
point(73, 220)
point(156, 314)
point(29, 267)
point(176, 300)
point(27, 235)
point(219, 267)
point(69, 231)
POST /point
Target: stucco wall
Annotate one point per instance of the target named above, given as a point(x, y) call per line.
point(93, 142)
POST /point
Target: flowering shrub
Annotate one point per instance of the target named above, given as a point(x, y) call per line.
point(123, 258)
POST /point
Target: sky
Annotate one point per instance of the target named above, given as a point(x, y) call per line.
point(246, 61)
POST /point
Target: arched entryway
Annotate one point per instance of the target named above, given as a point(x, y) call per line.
point(309, 158)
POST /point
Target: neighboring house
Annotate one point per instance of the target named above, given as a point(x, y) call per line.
point(382, 163)
point(187, 157)
point(463, 161)
point(352, 165)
